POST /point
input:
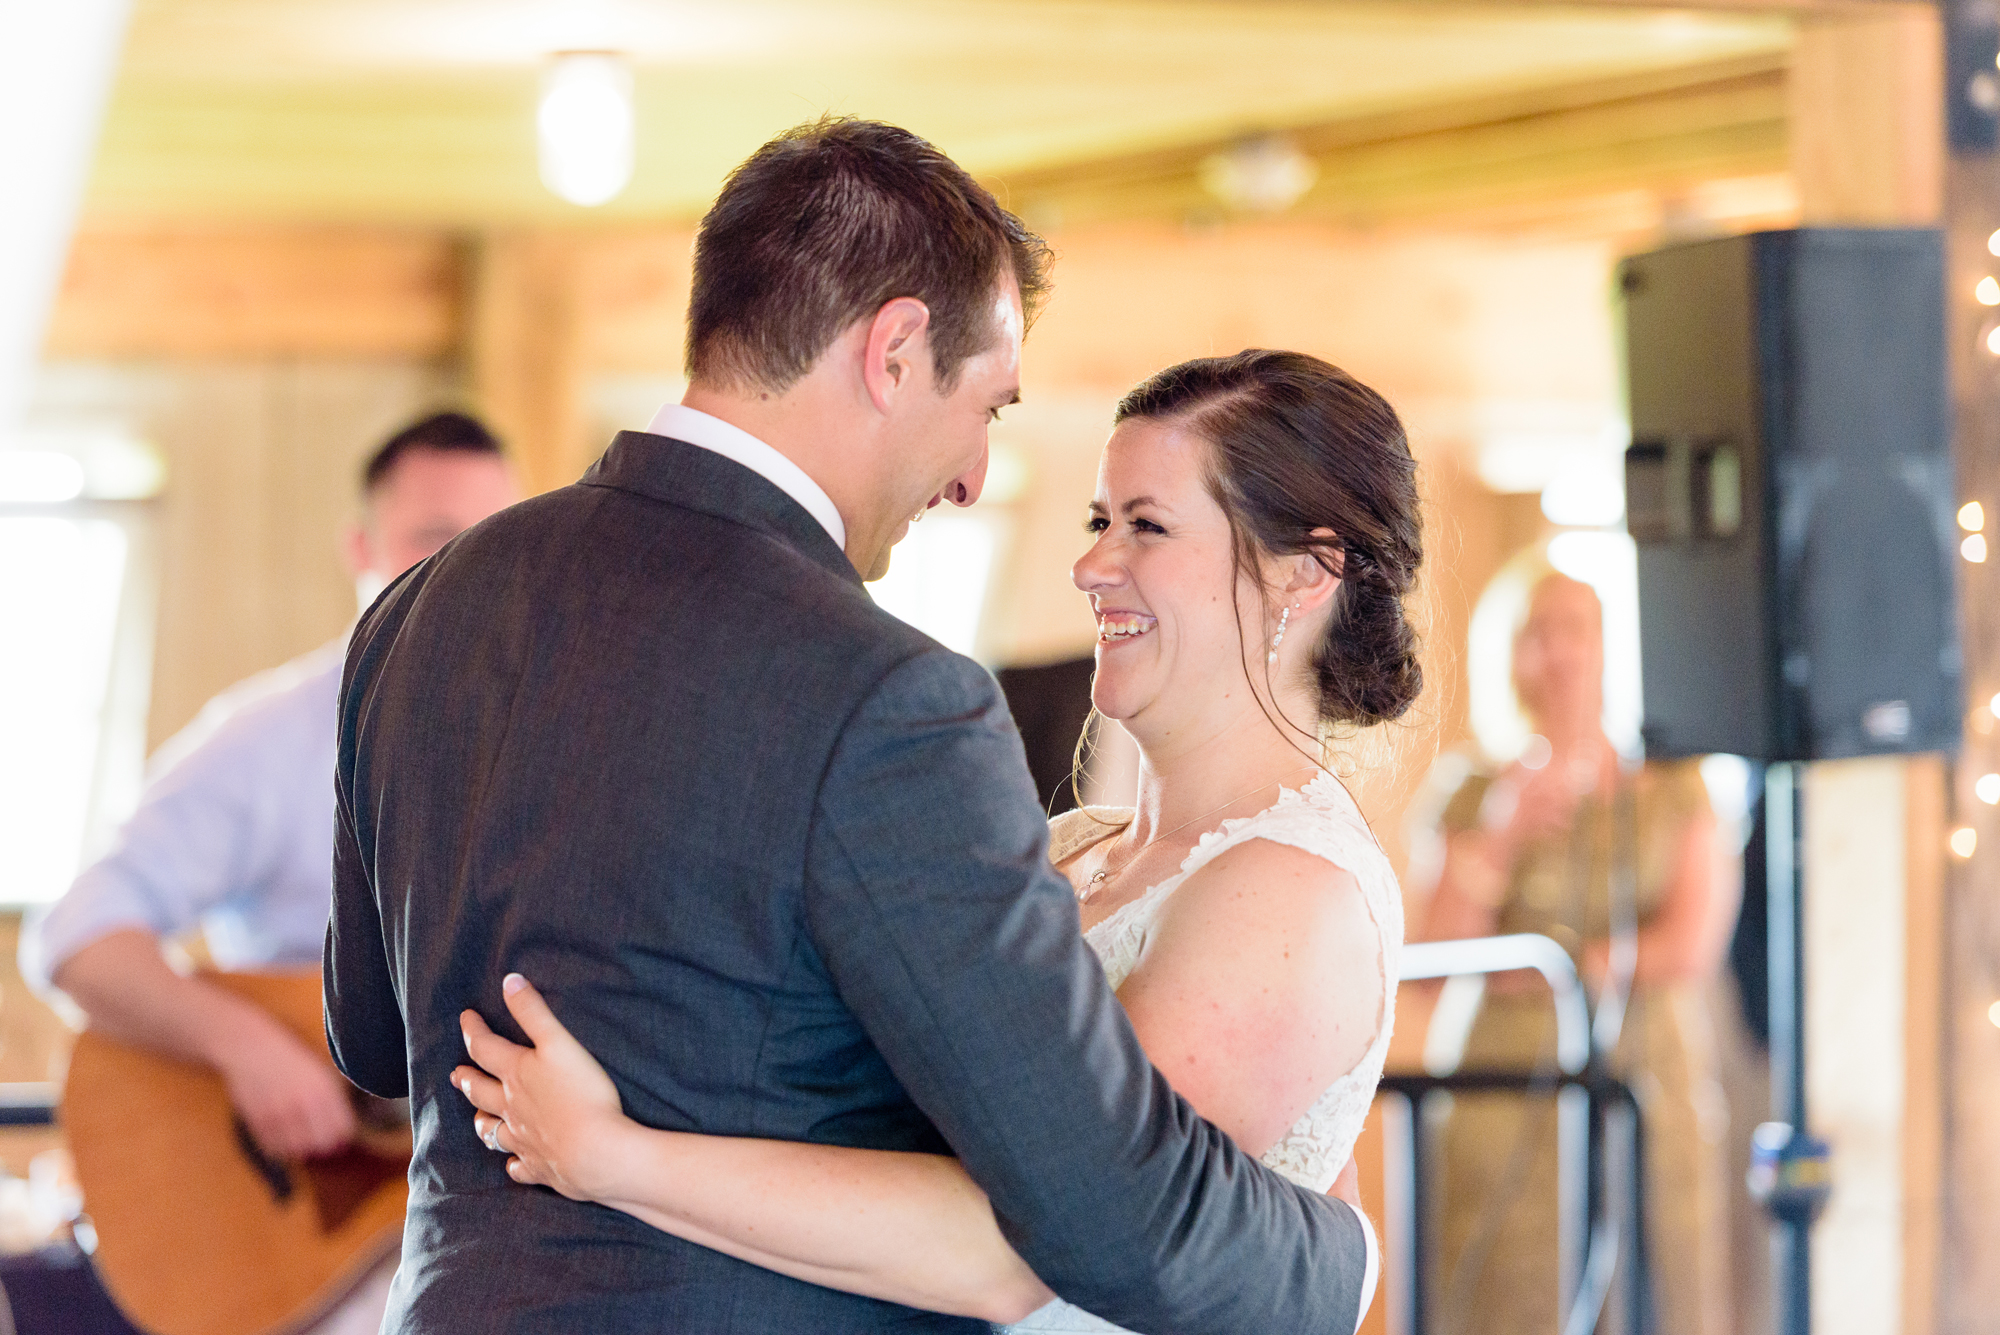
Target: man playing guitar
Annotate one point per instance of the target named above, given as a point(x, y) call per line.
point(234, 834)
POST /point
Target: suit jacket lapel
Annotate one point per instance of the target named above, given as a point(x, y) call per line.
point(697, 479)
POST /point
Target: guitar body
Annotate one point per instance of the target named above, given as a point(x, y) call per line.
point(198, 1233)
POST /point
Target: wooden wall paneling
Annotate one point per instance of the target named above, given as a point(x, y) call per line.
point(258, 292)
point(1856, 1029)
point(633, 287)
point(262, 462)
point(211, 629)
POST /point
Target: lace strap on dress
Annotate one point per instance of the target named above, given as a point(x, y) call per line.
point(1074, 831)
point(1322, 819)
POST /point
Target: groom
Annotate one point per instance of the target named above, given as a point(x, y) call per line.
point(773, 856)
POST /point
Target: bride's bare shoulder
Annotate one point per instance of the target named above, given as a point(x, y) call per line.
point(1261, 894)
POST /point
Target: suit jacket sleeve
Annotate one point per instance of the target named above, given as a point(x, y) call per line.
point(364, 1016)
point(947, 932)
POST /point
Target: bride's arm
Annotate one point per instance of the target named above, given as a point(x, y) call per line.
point(1260, 985)
point(908, 1228)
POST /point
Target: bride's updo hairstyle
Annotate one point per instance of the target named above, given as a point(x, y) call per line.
point(1297, 445)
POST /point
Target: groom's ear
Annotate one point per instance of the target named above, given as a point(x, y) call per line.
point(896, 355)
point(1315, 574)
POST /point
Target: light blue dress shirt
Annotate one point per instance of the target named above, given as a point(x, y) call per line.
point(234, 832)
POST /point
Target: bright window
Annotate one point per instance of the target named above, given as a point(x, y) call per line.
point(940, 574)
point(61, 586)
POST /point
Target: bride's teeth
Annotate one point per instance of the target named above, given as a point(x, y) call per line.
point(1123, 628)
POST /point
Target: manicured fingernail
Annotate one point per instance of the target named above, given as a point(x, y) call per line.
point(465, 1088)
point(512, 983)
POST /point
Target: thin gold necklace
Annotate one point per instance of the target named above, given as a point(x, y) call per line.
point(1103, 876)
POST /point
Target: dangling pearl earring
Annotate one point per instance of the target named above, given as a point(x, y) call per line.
point(1284, 617)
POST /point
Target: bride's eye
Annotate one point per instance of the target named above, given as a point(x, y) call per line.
point(1147, 526)
point(1096, 524)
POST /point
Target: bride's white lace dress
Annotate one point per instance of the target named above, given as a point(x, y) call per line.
point(1321, 819)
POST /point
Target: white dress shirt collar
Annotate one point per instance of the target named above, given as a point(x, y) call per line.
point(680, 422)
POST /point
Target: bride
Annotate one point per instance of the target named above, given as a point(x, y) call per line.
point(1255, 533)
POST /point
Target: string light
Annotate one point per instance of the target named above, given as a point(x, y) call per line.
point(1987, 789)
point(1993, 1014)
point(1987, 291)
point(1973, 548)
point(1993, 243)
point(1972, 516)
point(1964, 840)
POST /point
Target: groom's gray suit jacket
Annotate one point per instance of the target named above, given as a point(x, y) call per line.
point(776, 859)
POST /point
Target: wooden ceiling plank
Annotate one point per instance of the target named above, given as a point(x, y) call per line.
point(1669, 133)
point(256, 292)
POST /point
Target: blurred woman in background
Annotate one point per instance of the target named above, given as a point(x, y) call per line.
point(1535, 847)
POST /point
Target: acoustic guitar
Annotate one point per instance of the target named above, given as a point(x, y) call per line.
point(198, 1231)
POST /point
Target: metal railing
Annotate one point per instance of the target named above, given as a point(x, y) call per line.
point(28, 1102)
point(1599, 1148)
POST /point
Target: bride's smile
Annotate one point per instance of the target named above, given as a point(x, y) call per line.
point(1116, 625)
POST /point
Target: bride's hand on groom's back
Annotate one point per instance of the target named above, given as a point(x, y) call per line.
point(550, 1107)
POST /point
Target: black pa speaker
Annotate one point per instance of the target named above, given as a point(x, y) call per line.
point(1790, 488)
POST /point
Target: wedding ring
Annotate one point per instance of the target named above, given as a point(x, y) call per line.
point(493, 1137)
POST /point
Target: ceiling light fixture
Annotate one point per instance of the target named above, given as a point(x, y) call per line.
point(584, 128)
point(1265, 174)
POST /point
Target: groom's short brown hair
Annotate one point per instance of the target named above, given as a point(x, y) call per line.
point(823, 226)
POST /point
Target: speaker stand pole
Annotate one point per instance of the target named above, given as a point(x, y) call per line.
point(1784, 879)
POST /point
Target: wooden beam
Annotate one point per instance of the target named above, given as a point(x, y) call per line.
point(1867, 107)
point(1928, 780)
point(526, 352)
point(1867, 114)
point(1666, 129)
point(258, 292)
point(1834, 7)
